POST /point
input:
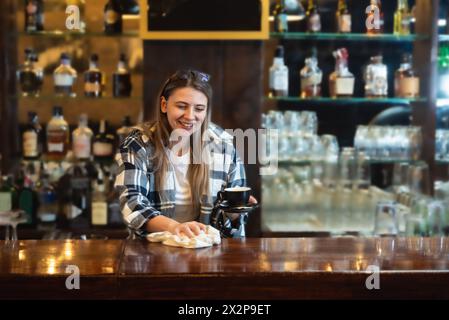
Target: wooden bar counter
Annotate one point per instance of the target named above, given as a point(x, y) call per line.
point(252, 268)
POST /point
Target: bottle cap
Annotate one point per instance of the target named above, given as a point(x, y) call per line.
point(65, 56)
point(94, 57)
point(31, 115)
point(126, 121)
point(57, 111)
point(122, 57)
point(279, 52)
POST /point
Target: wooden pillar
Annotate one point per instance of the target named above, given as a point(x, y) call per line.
point(9, 129)
point(426, 62)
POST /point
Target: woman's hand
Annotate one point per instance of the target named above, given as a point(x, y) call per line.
point(189, 229)
point(252, 200)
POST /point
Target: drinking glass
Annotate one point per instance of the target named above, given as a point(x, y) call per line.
point(386, 220)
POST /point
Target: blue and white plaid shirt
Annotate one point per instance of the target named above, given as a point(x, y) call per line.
point(140, 200)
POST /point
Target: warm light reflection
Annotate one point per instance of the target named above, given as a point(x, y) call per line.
point(359, 263)
point(68, 250)
point(290, 266)
point(107, 270)
point(328, 267)
point(51, 265)
point(22, 255)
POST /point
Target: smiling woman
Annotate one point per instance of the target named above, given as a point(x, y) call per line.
point(161, 187)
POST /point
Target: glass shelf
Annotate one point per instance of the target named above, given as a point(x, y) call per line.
point(79, 97)
point(347, 36)
point(348, 101)
point(64, 34)
point(301, 163)
point(442, 162)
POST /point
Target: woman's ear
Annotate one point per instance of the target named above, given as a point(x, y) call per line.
point(163, 105)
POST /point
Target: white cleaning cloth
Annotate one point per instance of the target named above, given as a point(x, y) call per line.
point(204, 239)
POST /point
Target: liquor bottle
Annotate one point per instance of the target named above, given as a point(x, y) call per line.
point(112, 17)
point(99, 211)
point(280, 17)
point(406, 83)
point(48, 205)
point(38, 71)
point(341, 81)
point(57, 135)
point(313, 17)
point(311, 77)
point(27, 198)
point(375, 76)
point(402, 18)
point(443, 71)
point(34, 15)
point(93, 79)
point(278, 79)
point(32, 138)
point(121, 79)
point(124, 130)
point(6, 194)
point(375, 18)
point(75, 191)
point(29, 75)
point(343, 17)
point(82, 139)
point(103, 146)
point(64, 77)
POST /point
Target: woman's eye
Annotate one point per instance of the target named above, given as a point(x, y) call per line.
point(199, 109)
point(181, 106)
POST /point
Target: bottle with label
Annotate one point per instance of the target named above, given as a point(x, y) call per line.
point(313, 17)
point(99, 211)
point(375, 18)
point(124, 130)
point(103, 146)
point(112, 17)
point(34, 15)
point(57, 136)
point(93, 79)
point(75, 189)
point(278, 79)
point(65, 77)
point(82, 139)
point(32, 138)
point(341, 81)
point(406, 82)
point(311, 77)
point(280, 17)
point(121, 82)
point(29, 75)
point(343, 17)
point(402, 18)
point(6, 194)
point(48, 205)
point(376, 78)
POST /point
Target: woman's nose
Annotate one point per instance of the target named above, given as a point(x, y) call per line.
point(189, 113)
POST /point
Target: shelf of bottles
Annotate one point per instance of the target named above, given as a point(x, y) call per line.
point(323, 36)
point(342, 80)
point(348, 101)
point(74, 34)
point(286, 164)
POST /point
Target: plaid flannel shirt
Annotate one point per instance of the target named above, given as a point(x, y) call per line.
point(140, 201)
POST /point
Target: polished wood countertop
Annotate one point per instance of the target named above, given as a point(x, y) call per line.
point(252, 268)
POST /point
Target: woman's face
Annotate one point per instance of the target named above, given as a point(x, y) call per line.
point(186, 109)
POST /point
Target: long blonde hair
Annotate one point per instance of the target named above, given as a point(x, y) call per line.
point(159, 131)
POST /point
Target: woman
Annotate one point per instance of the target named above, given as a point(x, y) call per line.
point(162, 184)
